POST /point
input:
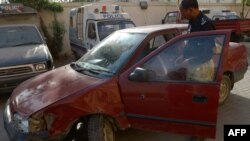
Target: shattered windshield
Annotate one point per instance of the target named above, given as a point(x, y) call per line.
point(105, 28)
point(18, 36)
point(111, 54)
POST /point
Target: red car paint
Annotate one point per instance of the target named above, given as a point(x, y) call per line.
point(180, 107)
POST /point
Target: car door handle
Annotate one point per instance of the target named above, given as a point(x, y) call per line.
point(142, 95)
point(200, 99)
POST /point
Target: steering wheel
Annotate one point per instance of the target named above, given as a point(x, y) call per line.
point(180, 61)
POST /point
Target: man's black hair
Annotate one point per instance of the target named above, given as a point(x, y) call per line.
point(185, 4)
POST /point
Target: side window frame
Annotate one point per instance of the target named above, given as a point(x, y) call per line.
point(215, 67)
point(150, 39)
point(92, 31)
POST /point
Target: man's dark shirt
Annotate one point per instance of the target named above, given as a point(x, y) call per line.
point(201, 23)
point(205, 49)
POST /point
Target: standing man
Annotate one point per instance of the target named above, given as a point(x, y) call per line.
point(197, 20)
point(202, 61)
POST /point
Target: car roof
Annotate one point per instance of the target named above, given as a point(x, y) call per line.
point(153, 28)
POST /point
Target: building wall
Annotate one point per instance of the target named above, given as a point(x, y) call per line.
point(4, 1)
point(153, 15)
point(19, 19)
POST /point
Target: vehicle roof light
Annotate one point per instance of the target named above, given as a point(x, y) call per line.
point(104, 8)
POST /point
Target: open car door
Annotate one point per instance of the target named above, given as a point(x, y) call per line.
point(176, 87)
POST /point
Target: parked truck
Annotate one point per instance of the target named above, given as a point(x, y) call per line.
point(142, 77)
point(222, 20)
point(89, 24)
point(23, 54)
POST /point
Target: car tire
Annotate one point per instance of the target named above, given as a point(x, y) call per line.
point(225, 88)
point(100, 129)
point(78, 132)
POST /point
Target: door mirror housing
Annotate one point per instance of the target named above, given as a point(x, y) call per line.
point(139, 74)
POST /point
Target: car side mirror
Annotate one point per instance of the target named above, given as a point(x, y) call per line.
point(139, 74)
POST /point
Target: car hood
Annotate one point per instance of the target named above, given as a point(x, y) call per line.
point(48, 88)
point(11, 56)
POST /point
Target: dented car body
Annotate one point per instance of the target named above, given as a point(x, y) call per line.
point(131, 79)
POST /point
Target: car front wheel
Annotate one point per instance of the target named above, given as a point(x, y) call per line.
point(100, 129)
point(225, 88)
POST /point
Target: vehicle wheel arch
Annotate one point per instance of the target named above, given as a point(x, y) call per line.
point(115, 124)
point(84, 119)
point(231, 76)
point(225, 87)
point(70, 129)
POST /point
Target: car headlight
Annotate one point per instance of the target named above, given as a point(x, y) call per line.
point(37, 123)
point(22, 123)
point(40, 67)
point(41, 122)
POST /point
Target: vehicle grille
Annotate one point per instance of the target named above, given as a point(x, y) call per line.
point(13, 71)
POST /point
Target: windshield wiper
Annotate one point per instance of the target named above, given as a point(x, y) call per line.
point(27, 43)
point(74, 64)
point(80, 69)
point(99, 70)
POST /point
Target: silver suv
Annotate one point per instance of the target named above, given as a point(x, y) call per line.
point(23, 54)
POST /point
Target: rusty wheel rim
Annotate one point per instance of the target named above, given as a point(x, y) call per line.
point(224, 90)
point(108, 132)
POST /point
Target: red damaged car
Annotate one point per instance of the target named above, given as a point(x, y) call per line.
point(133, 78)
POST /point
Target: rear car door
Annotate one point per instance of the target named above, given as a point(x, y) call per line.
point(176, 88)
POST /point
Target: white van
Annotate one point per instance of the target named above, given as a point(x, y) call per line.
point(89, 24)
